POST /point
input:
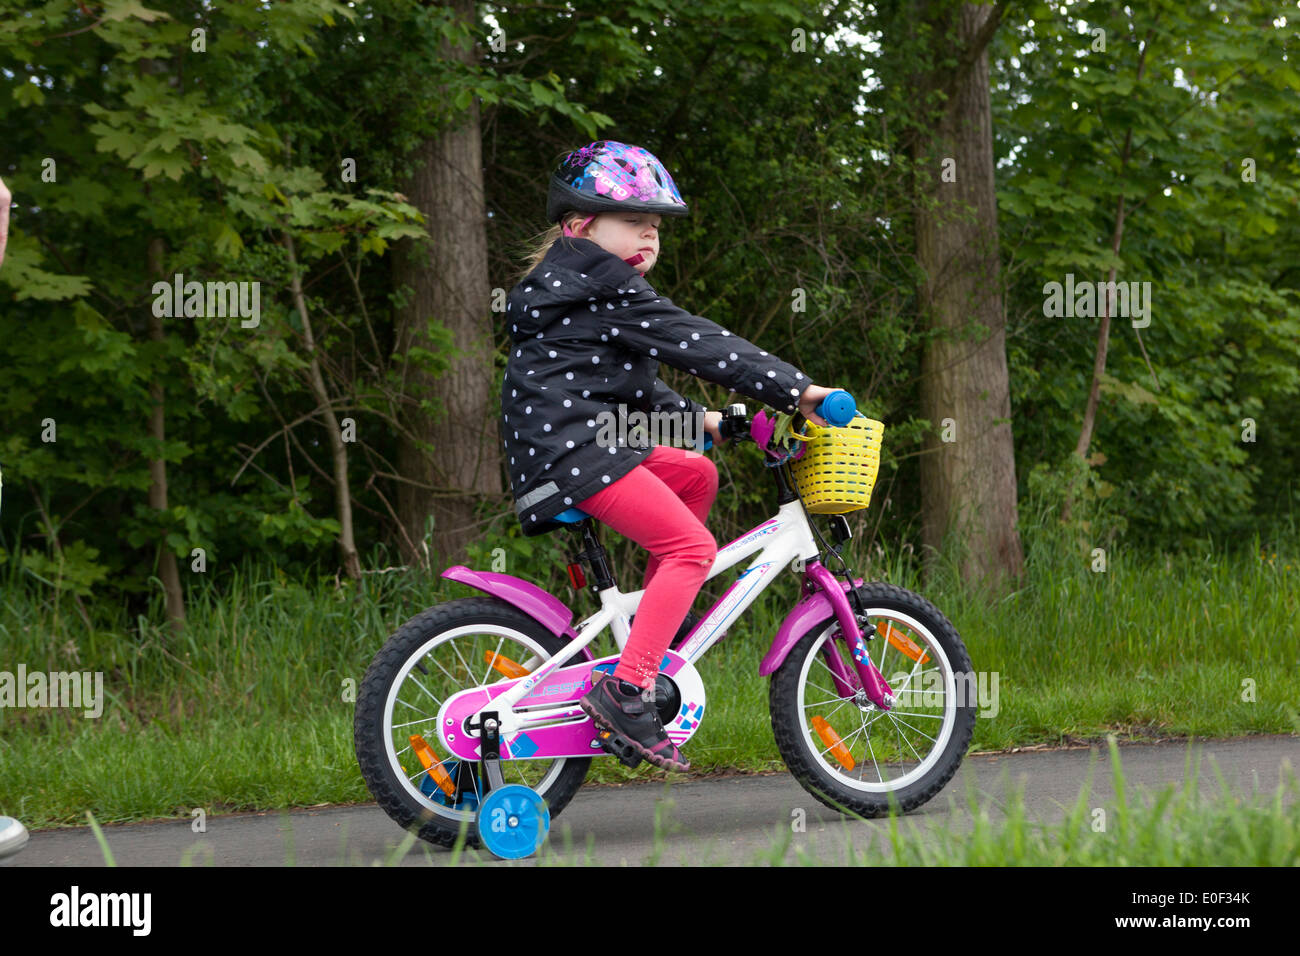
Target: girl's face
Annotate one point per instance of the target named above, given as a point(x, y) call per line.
point(625, 234)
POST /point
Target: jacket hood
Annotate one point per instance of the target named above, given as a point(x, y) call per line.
point(573, 271)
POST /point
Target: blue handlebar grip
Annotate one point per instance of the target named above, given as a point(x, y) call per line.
point(708, 442)
point(838, 408)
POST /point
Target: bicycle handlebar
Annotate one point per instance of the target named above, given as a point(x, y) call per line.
point(837, 409)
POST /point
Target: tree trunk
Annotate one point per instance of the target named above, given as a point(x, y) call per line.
point(1116, 237)
point(333, 430)
point(168, 572)
point(968, 483)
point(452, 457)
point(1103, 330)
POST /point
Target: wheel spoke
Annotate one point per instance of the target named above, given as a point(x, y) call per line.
point(843, 740)
point(908, 682)
point(824, 703)
point(911, 728)
point(438, 664)
point(418, 710)
point(826, 667)
point(879, 775)
point(426, 690)
point(870, 718)
point(468, 670)
point(909, 744)
point(834, 696)
point(495, 654)
point(412, 723)
point(884, 652)
point(834, 712)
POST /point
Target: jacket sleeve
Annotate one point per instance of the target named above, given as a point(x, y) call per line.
point(664, 398)
point(649, 323)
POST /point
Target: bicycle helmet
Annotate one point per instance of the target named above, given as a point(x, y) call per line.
point(607, 176)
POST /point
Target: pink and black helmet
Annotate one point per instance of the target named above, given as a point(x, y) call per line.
point(607, 176)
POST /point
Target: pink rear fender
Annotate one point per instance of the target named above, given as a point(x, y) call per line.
point(544, 607)
point(812, 609)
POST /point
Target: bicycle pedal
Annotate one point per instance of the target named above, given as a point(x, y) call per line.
point(619, 746)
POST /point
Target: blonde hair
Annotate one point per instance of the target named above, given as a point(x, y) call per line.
point(536, 247)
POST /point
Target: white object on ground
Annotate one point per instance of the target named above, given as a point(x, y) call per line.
point(13, 836)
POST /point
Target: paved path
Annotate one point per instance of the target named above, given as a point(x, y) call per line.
point(731, 820)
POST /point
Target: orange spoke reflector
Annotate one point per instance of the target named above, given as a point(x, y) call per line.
point(831, 739)
point(432, 765)
point(901, 641)
point(504, 665)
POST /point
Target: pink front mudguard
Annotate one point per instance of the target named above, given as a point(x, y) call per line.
point(807, 613)
point(812, 609)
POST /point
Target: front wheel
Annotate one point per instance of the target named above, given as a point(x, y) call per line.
point(843, 750)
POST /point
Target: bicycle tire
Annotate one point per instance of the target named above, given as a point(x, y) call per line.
point(416, 638)
point(791, 725)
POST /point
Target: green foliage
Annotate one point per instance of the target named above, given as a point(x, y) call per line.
point(122, 137)
point(74, 569)
point(1222, 343)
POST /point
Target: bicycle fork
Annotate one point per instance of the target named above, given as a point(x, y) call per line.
point(872, 681)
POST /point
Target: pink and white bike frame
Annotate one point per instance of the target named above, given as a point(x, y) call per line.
point(548, 695)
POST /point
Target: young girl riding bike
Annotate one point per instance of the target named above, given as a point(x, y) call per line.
point(588, 333)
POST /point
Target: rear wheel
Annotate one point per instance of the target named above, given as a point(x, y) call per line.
point(439, 652)
point(846, 752)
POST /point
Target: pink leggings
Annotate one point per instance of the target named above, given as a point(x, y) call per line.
point(661, 505)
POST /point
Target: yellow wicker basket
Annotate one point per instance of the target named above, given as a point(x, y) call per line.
point(837, 470)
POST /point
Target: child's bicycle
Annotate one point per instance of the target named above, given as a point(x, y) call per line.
point(468, 722)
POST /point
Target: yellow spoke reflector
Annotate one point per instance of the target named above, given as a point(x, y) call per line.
point(504, 665)
point(901, 641)
point(831, 739)
point(432, 765)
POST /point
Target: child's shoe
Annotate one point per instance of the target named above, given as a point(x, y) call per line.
point(623, 710)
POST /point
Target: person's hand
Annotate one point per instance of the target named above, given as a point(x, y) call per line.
point(711, 422)
point(812, 397)
point(5, 200)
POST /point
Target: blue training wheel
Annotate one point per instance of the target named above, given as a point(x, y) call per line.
point(513, 821)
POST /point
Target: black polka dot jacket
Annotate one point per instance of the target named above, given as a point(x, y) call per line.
point(587, 334)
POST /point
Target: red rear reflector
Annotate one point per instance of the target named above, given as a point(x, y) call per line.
point(576, 577)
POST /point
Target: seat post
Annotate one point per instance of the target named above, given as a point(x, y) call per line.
point(595, 554)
